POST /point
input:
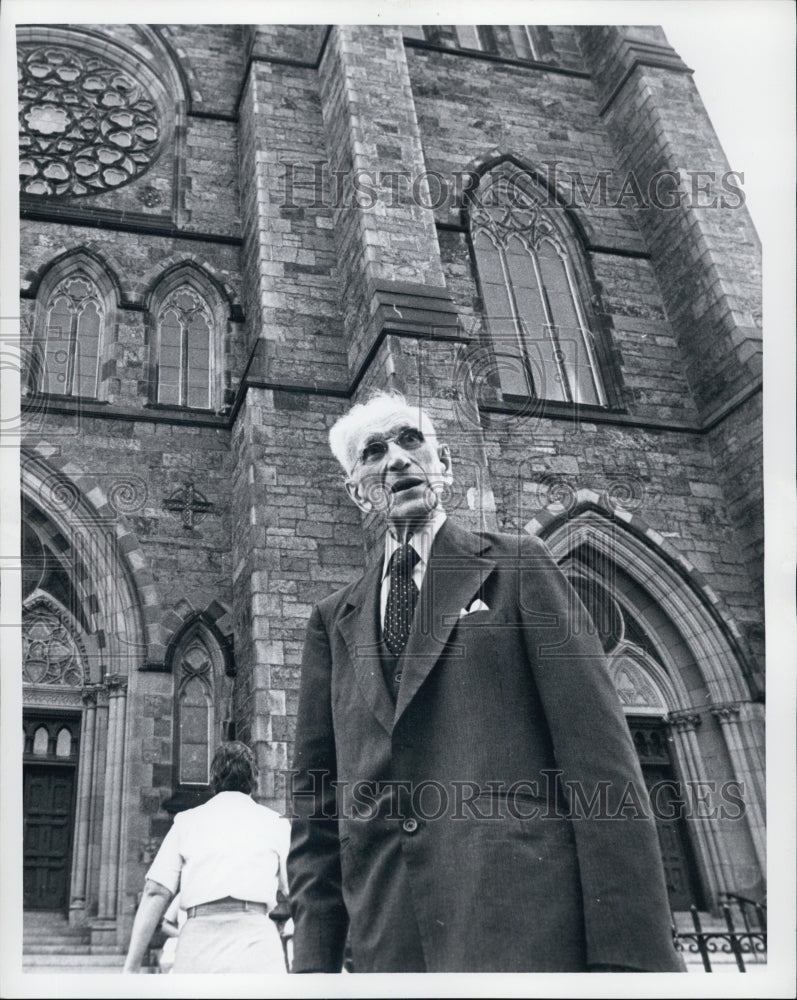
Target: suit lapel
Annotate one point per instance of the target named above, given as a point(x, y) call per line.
point(358, 626)
point(453, 577)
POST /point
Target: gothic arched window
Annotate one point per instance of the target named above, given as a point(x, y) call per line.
point(202, 704)
point(536, 318)
point(523, 41)
point(195, 741)
point(480, 37)
point(631, 655)
point(73, 337)
point(71, 349)
point(185, 349)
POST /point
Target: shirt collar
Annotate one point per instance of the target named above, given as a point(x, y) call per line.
point(421, 540)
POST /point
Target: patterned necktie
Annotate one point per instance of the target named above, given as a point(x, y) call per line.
point(401, 599)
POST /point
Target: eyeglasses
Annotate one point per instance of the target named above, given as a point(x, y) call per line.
point(408, 439)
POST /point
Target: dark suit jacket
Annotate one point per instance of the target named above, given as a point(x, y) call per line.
point(496, 712)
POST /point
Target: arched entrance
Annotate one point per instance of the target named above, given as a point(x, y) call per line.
point(683, 687)
point(82, 641)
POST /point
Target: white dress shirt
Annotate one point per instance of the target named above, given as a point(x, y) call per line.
point(421, 540)
point(229, 846)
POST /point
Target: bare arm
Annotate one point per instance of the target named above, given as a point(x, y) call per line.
point(149, 914)
point(169, 929)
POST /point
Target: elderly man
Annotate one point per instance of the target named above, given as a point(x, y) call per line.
point(466, 794)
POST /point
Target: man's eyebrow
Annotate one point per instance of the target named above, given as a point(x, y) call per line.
point(381, 435)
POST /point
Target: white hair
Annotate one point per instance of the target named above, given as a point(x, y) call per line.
point(380, 404)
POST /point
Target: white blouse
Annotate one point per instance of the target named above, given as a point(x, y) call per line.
point(229, 846)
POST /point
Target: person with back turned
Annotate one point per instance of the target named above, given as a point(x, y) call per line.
point(227, 860)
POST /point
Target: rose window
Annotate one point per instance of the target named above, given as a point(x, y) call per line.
point(86, 126)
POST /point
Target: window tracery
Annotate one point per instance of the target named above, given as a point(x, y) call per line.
point(86, 125)
point(73, 332)
point(629, 656)
point(195, 713)
point(538, 326)
point(185, 325)
point(50, 654)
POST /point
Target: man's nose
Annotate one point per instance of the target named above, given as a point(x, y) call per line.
point(396, 456)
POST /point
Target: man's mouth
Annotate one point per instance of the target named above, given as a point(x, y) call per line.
point(405, 484)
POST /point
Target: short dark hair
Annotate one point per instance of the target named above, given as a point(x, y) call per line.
point(233, 769)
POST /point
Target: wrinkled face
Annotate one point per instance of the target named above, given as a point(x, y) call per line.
point(397, 469)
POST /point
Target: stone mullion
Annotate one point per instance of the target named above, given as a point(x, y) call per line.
point(733, 727)
point(84, 801)
point(682, 726)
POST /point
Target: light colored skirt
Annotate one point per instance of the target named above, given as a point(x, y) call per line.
point(229, 942)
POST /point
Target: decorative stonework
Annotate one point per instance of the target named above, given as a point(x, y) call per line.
point(633, 687)
point(726, 713)
point(86, 126)
point(49, 652)
point(504, 211)
point(127, 494)
point(49, 696)
point(189, 503)
point(684, 722)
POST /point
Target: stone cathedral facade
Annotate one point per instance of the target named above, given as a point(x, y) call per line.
point(229, 234)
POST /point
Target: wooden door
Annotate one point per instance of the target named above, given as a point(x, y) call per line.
point(48, 795)
point(650, 739)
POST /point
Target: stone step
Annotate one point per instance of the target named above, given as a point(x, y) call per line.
point(85, 948)
point(44, 917)
point(108, 970)
point(70, 963)
point(112, 970)
point(683, 921)
point(70, 934)
point(720, 968)
point(56, 948)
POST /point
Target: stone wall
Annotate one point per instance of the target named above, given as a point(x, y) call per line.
point(323, 296)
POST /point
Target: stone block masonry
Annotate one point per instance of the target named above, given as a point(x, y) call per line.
point(302, 181)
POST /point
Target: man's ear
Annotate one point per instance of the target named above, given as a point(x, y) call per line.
point(444, 455)
point(355, 493)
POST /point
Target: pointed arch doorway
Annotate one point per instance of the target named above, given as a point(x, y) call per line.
point(83, 639)
point(636, 669)
point(684, 686)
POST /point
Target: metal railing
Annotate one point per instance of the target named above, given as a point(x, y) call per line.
point(748, 941)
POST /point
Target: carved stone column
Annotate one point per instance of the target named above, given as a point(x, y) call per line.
point(83, 811)
point(741, 743)
point(112, 814)
point(683, 730)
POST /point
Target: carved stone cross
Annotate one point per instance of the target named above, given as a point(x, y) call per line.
point(189, 503)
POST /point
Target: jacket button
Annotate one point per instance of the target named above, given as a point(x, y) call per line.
point(409, 825)
point(397, 678)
